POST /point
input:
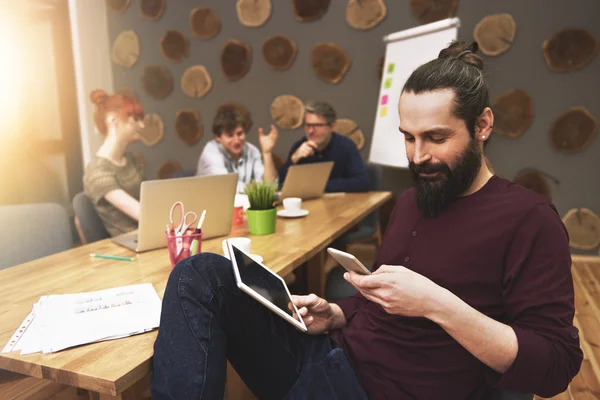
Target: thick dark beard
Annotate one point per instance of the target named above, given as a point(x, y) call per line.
point(433, 195)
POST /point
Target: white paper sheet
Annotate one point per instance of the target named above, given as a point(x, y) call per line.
point(63, 321)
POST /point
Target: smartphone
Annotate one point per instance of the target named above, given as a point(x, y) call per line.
point(348, 261)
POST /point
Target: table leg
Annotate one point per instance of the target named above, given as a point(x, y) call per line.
point(316, 273)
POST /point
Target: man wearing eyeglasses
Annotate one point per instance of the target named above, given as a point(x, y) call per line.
point(322, 144)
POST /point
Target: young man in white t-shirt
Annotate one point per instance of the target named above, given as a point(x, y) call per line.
point(229, 152)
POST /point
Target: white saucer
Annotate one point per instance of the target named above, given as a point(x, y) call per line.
point(288, 214)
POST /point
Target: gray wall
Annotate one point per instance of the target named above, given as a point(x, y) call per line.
point(355, 97)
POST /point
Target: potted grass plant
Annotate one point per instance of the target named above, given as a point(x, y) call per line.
point(262, 213)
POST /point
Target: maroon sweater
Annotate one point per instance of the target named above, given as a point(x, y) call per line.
point(504, 251)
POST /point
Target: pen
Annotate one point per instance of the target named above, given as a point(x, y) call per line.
point(196, 242)
point(201, 220)
point(112, 257)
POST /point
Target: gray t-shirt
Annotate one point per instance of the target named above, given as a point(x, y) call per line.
point(101, 177)
point(215, 160)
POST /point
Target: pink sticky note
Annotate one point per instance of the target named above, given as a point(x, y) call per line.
point(384, 100)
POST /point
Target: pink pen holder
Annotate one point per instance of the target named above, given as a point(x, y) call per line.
point(184, 246)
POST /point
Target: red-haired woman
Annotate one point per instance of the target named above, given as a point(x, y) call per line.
point(112, 179)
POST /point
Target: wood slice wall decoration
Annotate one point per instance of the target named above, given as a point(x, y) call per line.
point(126, 49)
point(329, 62)
point(534, 180)
point(175, 46)
point(495, 33)
point(236, 59)
point(365, 14)
point(287, 111)
point(157, 81)
point(188, 126)
point(513, 113)
point(153, 9)
point(573, 130)
point(129, 92)
point(204, 22)
point(196, 81)
point(241, 109)
point(118, 5)
point(253, 13)
point(428, 11)
point(154, 130)
point(583, 226)
point(350, 129)
point(310, 10)
point(167, 169)
point(569, 49)
point(279, 52)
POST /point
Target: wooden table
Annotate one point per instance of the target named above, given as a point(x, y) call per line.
point(112, 368)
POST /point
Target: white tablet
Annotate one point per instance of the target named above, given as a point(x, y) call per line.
point(264, 285)
point(348, 261)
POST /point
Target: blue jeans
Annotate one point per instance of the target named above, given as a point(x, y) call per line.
point(207, 320)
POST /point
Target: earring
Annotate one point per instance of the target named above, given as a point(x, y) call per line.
point(483, 137)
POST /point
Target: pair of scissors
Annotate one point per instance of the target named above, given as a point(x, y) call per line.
point(182, 226)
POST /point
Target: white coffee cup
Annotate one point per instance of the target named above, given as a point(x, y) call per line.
point(292, 204)
point(241, 243)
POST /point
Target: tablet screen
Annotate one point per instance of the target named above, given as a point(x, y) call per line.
point(263, 281)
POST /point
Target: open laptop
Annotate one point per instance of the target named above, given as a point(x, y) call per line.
point(306, 181)
point(215, 194)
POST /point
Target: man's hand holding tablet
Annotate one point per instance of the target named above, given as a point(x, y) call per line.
point(319, 315)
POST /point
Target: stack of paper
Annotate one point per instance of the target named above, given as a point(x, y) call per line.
point(58, 322)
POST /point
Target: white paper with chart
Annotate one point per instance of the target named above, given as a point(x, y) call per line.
point(405, 51)
point(61, 321)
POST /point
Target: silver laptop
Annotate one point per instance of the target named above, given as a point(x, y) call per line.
point(306, 181)
point(215, 194)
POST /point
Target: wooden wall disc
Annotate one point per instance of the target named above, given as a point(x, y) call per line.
point(188, 126)
point(365, 14)
point(350, 129)
point(495, 33)
point(583, 226)
point(242, 110)
point(196, 81)
point(428, 11)
point(153, 9)
point(253, 13)
point(157, 81)
point(329, 62)
point(535, 181)
point(569, 49)
point(154, 129)
point(236, 59)
point(287, 111)
point(279, 52)
point(573, 130)
point(205, 23)
point(513, 113)
point(129, 92)
point(118, 5)
point(126, 49)
point(174, 45)
point(167, 169)
point(310, 10)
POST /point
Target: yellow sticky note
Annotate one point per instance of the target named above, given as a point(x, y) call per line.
point(383, 112)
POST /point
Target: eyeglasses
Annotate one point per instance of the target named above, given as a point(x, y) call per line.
point(308, 126)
